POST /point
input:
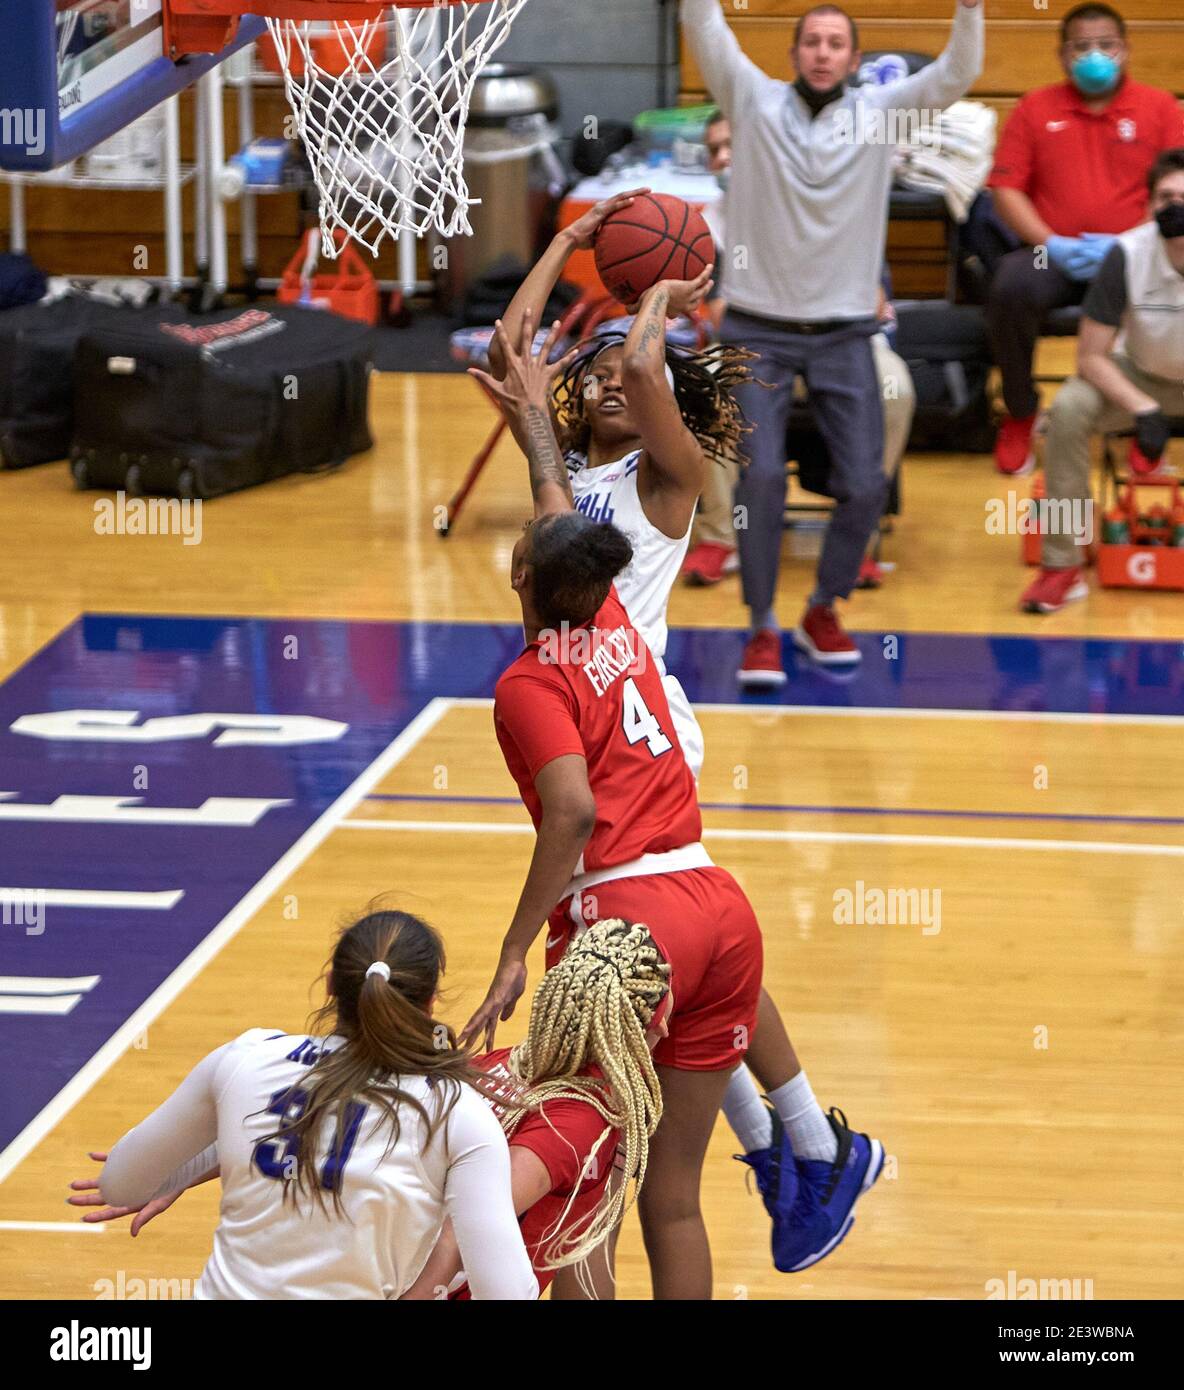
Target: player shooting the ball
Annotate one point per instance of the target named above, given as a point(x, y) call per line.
point(639, 421)
point(811, 1169)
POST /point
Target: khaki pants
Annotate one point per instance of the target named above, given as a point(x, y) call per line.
point(714, 519)
point(1078, 412)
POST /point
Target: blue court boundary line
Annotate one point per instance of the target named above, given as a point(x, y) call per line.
point(829, 810)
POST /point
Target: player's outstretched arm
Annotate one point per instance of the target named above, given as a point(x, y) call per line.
point(524, 394)
point(480, 1206)
point(529, 1181)
point(536, 289)
point(670, 473)
point(568, 819)
point(163, 1153)
point(86, 1194)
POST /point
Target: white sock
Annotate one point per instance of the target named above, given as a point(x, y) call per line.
point(808, 1128)
point(746, 1112)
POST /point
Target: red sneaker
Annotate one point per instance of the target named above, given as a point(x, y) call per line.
point(708, 562)
point(821, 635)
point(1052, 589)
point(871, 576)
point(761, 665)
point(1013, 446)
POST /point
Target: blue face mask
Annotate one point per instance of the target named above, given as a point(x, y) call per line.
point(1096, 73)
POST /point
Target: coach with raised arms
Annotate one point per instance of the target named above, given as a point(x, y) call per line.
point(807, 223)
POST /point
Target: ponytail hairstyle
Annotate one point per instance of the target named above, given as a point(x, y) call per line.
point(388, 1032)
point(703, 386)
point(575, 561)
point(592, 1009)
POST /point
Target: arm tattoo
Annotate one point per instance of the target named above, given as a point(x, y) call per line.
point(655, 322)
point(542, 452)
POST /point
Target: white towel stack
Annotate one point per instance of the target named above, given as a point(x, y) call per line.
point(952, 158)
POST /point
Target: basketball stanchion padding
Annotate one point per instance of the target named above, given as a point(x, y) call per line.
point(380, 95)
point(658, 237)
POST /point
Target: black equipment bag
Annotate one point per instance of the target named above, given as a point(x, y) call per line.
point(37, 346)
point(946, 348)
point(209, 405)
point(21, 280)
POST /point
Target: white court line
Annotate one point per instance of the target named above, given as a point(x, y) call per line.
point(469, 827)
point(212, 943)
point(56, 1005)
point(1157, 721)
point(62, 1228)
point(807, 837)
point(128, 901)
point(47, 984)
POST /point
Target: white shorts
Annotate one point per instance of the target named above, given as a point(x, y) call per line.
point(686, 726)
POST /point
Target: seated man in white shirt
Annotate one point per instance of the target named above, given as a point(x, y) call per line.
point(1130, 376)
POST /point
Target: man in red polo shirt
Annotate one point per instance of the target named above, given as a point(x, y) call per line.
point(1070, 174)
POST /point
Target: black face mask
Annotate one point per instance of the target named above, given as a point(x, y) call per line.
point(1170, 220)
point(816, 101)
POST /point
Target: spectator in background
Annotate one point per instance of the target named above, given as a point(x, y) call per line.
point(1130, 374)
point(806, 225)
point(1070, 173)
point(714, 553)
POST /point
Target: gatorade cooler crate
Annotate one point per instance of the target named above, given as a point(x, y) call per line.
point(1142, 540)
point(349, 289)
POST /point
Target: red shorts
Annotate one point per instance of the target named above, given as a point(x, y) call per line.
point(706, 929)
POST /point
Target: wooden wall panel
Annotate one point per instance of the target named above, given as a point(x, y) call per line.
point(1019, 53)
point(96, 233)
point(1049, 14)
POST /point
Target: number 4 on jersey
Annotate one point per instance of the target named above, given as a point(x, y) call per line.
point(639, 722)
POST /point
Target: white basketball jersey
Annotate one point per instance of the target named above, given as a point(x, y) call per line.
point(393, 1203)
point(609, 493)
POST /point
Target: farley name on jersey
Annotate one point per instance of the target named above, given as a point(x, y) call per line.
point(601, 655)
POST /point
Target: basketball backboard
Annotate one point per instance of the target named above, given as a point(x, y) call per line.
point(73, 72)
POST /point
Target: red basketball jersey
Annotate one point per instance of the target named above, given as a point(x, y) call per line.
point(597, 691)
point(570, 1139)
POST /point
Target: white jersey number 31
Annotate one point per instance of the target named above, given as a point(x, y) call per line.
point(639, 722)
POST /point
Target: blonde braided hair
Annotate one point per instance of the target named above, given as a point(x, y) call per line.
point(593, 1009)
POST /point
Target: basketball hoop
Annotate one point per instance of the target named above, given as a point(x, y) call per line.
point(380, 94)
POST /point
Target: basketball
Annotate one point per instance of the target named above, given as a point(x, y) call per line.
point(658, 238)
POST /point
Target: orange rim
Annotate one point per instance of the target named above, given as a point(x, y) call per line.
point(334, 9)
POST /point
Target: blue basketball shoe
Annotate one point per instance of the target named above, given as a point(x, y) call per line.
point(776, 1173)
point(824, 1210)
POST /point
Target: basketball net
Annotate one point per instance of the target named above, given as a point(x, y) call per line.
point(381, 106)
